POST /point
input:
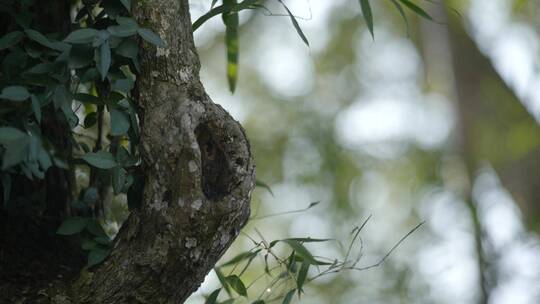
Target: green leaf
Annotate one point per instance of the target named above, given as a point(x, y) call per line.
point(415, 8)
point(103, 240)
point(151, 37)
point(39, 38)
point(61, 97)
point(36, 107)
point(72, 225)
point(214, 11)
point(104, 59)
point(123, 85)
point(15, 93)
point(119, 122)
point(128, 48)
point(127, 21)
point(87, 98)
point(41, 68)
point(71, 117)
point(119, 175)
point(88, 244)
point(95, 228)
point(81, 36)
point(236, 283)
point(402, 13)
point(100, 159)
point(9, 134)
point(222, 280)
point(102, 37)
point(90, 120)
point(368, 15)
point(90, 196)
point(300, 250)
point(126, 4)
point(10, 39)
point(240, 257)
point(16, 152)
point(232, 43)
point(302, 275)
point(44, 160)
point(80, 56)
point(295, 23)
point(212, 298)
point(308, 240)
point(288, 297)
point(97, 256)
point(259, 183)
point(258, 302)
point(123, 30)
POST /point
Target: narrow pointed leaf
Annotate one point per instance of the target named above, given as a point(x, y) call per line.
point(151, 37)
point(259, 183)
point(302, 275)
point(402, 13)
point(295, 24)
point(415, 8)
point(288, 297)
point(368, 15)
point(222, 280)
point(301, 251)
point(212, 298)
point(126, 4)
point(104, 59)
point(232, 43)
point(36, 108)
point(236, 283)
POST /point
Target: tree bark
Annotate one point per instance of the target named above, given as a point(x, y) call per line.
point(199, 175)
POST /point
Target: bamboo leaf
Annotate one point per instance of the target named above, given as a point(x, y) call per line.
point(259, 183)
point(212, 298)
point(302, 275)
point(402, 13)
point(295, 24)
point(231, 40)
point(368, 15)
point(415, 8)
point(288, 297)
point(236, 283)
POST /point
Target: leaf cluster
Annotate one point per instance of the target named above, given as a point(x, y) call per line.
point(66, 102)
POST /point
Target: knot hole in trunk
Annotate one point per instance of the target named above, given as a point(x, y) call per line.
point(216, 175)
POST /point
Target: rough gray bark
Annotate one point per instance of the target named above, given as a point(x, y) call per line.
point(198, 170)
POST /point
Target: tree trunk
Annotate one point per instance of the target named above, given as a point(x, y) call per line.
point(198, 170)
point(199, 175)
